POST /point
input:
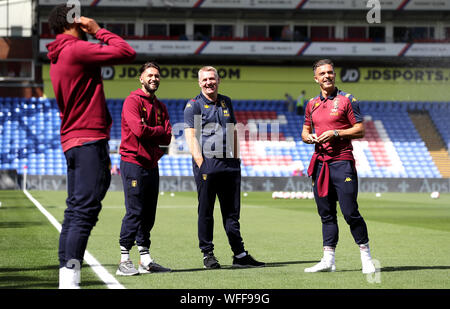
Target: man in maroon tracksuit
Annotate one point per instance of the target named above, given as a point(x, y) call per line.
point(75, 71)
point(145, 127)
point(332, 120)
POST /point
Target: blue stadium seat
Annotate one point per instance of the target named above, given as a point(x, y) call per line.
point(37, 144)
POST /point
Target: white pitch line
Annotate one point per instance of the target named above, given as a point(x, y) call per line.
point(101, 272)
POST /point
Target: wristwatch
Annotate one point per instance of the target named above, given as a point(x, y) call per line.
point(336, 133)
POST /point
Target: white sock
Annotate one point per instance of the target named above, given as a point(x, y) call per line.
point(124, 254)
point(365, 251)
point(241, 255)
point(328, 254)
point(145, 255)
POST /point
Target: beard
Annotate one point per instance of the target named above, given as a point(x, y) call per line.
point(149, 89)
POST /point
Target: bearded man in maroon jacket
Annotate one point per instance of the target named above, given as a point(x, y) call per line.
point(145, 127)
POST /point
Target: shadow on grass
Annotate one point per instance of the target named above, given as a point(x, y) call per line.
point(230, 267)
point(18, 224)
point(24, 282)
point(47, 280)
point(29, 282)
point(11, 278)
point(21, 269)
point(399, 268)
point(408, 268)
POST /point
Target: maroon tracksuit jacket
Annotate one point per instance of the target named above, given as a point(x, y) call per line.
point(75, 71)
point(145, 126)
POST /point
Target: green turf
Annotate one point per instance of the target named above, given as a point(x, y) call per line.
point(409, 236)
point(29, 246)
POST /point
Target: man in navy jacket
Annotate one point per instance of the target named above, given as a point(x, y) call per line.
point(212, 140)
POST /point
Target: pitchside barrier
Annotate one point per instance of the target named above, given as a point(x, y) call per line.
point(249, 184)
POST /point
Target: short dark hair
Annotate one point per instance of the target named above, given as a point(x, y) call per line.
point(57, 19)
point(149, 64)
point(322, 62)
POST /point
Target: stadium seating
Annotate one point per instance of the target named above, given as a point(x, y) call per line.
point(270, 138)
point(441, 120)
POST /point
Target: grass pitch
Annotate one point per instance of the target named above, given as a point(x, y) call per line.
point(409, 237)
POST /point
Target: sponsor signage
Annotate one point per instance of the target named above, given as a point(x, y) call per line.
point(267, 184)
point(252, 4)
point(431, 5)
point(180, 73)
point(283, 74)
point(145, 47)
point(428, 50)
point(288, 49)
point(349, 4)
point(253, 48)
point(119, 3)
point(166, 47)
point(273, 82)
point(242, 74)
point(397, 75)
point(355, 49)
point(267, 4)
point(271, 74)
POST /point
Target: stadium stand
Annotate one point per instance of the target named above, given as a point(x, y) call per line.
point(270, 139)
point(394, 145)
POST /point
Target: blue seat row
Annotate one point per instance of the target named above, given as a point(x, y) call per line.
point(29, 135)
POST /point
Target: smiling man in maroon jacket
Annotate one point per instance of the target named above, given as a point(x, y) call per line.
point(145, 127)
point(332, 120)
point(75, 71)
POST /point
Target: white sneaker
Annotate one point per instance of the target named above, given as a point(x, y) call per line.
point(126, 268)
point(366, 259)
point(367, 266)
point(69, 278)
point(322, 266)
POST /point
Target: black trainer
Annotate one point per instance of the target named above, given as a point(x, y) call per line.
point(152, 268)
point(210, 261)
point(246, 261)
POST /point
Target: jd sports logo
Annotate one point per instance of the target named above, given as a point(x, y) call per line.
point(350, 75)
